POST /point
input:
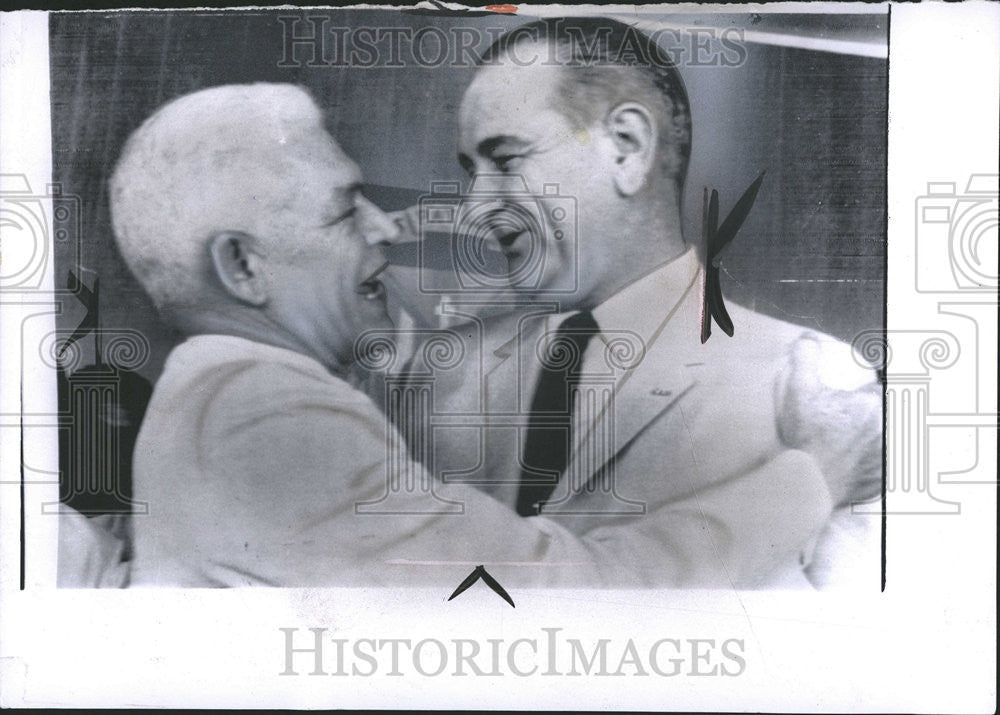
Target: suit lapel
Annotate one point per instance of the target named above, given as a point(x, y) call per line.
point(511, 368)
point(643, 387)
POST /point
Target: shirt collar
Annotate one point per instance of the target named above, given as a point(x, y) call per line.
point(641, 306)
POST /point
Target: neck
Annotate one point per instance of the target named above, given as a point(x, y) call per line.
point(240, 322)
point(650, 235)
point(655, 221)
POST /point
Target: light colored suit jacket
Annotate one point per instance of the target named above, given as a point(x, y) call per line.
point(660, 419)
point(261, 468)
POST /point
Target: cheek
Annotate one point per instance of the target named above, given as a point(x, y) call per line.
point(585, 175)
point(338, 250)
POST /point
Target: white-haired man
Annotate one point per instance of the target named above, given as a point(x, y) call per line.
point(243, 219)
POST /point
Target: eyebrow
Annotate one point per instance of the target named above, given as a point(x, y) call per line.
point(487, 146)
point(465, 162)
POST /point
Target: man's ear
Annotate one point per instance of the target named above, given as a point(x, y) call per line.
point(238, 266)
point(633, 130)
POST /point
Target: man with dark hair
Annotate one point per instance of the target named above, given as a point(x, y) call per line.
point(612, 63)
point(601, 401)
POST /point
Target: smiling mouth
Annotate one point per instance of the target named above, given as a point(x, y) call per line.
point(509, 239)
point(371, 288)
point(508, 244)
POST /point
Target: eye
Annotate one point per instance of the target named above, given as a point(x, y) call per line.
point(346, 217)
point(466, 163)
point(507, 162)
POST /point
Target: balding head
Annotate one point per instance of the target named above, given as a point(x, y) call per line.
point(220, 159)
point(239, 214)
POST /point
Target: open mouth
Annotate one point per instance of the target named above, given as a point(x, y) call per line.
point(507, 240)
point(510, 244)
point(371, 288)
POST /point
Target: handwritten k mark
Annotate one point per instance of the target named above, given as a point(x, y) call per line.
point(716, 238)
point(480, 573)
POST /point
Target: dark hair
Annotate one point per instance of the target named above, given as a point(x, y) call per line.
point(608, 62)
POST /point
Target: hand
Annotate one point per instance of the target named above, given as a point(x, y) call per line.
point(840, 428)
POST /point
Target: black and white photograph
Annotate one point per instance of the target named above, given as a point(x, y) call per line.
point(518, 340)
point(452, 311)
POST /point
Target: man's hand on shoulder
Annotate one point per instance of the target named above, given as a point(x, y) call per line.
point(823, 408)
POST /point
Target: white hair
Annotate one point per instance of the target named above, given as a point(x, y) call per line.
point(217, 159)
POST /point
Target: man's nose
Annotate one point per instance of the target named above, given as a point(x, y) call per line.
point(376, 226)
point(407, 222)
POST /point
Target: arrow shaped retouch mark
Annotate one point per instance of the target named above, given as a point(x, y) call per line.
point(478, 573)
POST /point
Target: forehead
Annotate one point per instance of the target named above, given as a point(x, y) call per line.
point(318, 153)
point(344, 172)
point(305, 173)
point(509, 99)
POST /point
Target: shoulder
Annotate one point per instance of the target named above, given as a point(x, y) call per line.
point(757, 336)
point(762, 346)
point(738, 381)
point(245, 451)
point(225, 382)
point(264, 430)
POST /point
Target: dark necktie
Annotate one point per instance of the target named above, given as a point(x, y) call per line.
point(549, 439)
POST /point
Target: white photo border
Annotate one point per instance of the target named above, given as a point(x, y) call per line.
point(926, 644)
